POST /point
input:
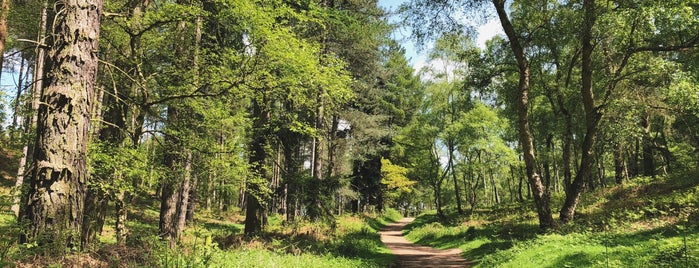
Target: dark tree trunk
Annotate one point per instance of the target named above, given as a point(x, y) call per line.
point(633, 160)
point(620, 169)
point(27, 149)
point(291, 149)
point(170, 187)
point(541, 195)
point(193, 199)
point(452, 170)
point(254, 210)
point(93, 219)
point(54, 202)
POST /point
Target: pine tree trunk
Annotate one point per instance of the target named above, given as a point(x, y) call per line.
point(54, 203)
point(4, 10)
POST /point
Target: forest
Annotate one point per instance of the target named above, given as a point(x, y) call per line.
point(288, 133)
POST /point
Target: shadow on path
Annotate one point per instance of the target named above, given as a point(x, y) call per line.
point(409, 254)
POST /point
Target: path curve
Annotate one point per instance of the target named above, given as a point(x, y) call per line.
point(409, 254)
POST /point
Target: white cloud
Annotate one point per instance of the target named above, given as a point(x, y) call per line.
point(488, 31)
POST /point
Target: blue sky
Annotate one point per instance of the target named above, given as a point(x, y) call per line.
point(418, 59)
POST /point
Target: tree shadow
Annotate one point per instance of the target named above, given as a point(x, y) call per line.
point(494, 236)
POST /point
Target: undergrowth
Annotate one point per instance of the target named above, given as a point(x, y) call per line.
point(648, 222)
point(347, 241)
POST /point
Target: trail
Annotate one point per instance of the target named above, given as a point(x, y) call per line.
point(409, 254)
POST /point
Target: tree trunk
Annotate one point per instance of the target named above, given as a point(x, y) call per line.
point(54, 203)
point(592, 117)
point(315, 206)
point(94, 216)
point(4, 10)
point(254, 209)
point(496, 194)
point(184, 195)
point(291, 151)
point(193, 199)
point(120, 217)
point(16, 113)
point(541, 195)
point(452, 170)
point(170, 186)
point(648, 164)
point(620, 170)
point(633, 160)
point(36, 96)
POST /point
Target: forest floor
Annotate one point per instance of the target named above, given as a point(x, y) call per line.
point(409, 254)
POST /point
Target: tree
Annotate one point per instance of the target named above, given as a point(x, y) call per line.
point(54, 201)
point(398, 186)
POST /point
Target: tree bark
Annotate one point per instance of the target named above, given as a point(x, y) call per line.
point(541, 195)
point(592, 117)
point(169, 196)
point(183, 203)
point(255, 196)
point(54, 203)
point(4, 9)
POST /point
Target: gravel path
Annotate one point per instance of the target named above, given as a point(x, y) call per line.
point(409, 254)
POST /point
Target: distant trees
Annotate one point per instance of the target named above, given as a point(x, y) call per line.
point(573, 90)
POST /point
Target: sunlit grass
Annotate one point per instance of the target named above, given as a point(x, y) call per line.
point(648, 222)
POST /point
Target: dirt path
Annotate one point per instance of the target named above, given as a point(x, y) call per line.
point(409, 254)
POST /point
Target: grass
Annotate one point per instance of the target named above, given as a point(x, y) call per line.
point(352, 242)
point(649, 222)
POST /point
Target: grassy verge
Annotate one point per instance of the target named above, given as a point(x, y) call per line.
point(348, 241)
point(645, 223)
point(352, 242)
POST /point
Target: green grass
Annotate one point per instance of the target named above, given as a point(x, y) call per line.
point(215, 241)
point(353, 242)
point(649, 222)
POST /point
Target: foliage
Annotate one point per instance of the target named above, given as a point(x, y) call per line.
point(399, 187)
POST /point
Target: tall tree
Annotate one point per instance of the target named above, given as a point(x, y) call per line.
point(54, 201)
point(428, 26)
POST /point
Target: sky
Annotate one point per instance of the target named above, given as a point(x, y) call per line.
point(418, 59)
